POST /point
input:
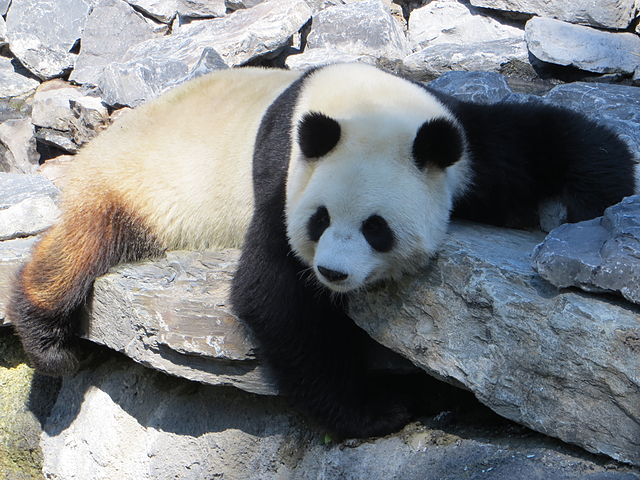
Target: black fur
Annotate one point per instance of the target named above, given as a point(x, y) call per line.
point(301, 329)
point(378, 234)
point(438, 143)
point(317, 135)
point(318, 223)
point(524, 153)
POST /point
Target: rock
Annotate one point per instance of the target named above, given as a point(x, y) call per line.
point(151, 67)
point(12, 82)
point(43, 32)
point(449, 21)
point(616, 106)
point(604, 13)
point(162, 10)
point(90, 117)
point(18, 152)
point(118, 420)
point(478, 87)
point(55, 169)
point(100, 47)
point(238, 4)
point(25, 401)
point(562, 43)
point(599, 255)
point(371, 31)
point(202, 8)
point(12, 254)
point(3, 33)
point(29, 217)
point(59, 139)
point(18, 187)
point(186, 330)
point(4, 6)
point(562, 363)
point(51, 104)
point(314, 57)
point(484, 56)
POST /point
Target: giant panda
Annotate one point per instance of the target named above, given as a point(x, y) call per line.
point(330, 180)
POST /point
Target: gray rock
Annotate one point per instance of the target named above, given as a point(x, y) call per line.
point(314, 57)
point(12, 254)
point(562, 43)
point(12, 82)
point(153, 66)
point(29, 217)
point(90, 117)
point(100, 47)
point(479, 87)
point(238, 4)
point(562, 363)
point(449, 21)
point(42, 33)
point(161, 10)
point(202, 8)
point(484, 56)
point(616, 106)
point(17, 187)
point(604, 13)
point(371, 31)
point(18, 152)
point(118, 420)
point(4, 6)
point(58, 139)
point(3, 33)
point(55, 169)
point(51, 107)
point(599, 255)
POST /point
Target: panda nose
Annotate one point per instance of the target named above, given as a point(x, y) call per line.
point(332, 275)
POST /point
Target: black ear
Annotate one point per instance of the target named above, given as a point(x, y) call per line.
point(317, 134)
point(438, 142)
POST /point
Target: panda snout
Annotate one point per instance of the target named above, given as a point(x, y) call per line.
point(332, 275)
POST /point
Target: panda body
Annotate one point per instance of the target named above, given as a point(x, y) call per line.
point(330, 180)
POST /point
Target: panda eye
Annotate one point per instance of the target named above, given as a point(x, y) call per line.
point(377, 232)
point(318, 223)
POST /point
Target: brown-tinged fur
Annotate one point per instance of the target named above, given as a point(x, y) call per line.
point(94, 236)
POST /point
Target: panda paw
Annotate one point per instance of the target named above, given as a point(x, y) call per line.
point(54, 361)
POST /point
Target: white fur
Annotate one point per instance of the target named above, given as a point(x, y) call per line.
point(370, 171)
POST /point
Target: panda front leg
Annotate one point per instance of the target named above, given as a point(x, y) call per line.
point(314, 349)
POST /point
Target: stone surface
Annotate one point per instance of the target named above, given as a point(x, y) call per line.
point(118, 420)
point(449, 21)
point(478, 87)
point(371, 30)
point(18, 152)
point(42, 33)
point(17, 187)
point(161, 10)
point(562, 363)
point(62, 140)
point(3, 33)
point(315, 57)
point(51, 107)
point(90, 117)
point(29, 217)
point(238, 4)
point(582, 47)
point(55, 169)
point(100, 47)
point(12, 82)
point(616, 106)
point(491, 56)
point(202, 8)
point(12, 254)
point(599, 255)
point(155, 65)
point(603, 13)
point(4, 6)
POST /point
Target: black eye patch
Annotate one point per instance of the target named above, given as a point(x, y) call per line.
point(378, 234)
point(318, 223)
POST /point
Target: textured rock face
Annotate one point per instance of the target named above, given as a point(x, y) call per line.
point(604, 13)
point(18, 152)
point(372, 31)
point(12, 82)
point(598, 255)
point(100, 46)
point(153, 66)
point(4, 6)
point(479, 87)
point(118, 420)
point(562, 43)
point(3, 33)
point(449, 21)
point(42, 33)
point(562, 363)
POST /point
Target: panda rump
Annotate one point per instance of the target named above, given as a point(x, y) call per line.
point(330, 180)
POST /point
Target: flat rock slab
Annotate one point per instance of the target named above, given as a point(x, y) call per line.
point(14, 83)
point(563, 363)
point(603, 13)
point(600, 255)
point(582, 47)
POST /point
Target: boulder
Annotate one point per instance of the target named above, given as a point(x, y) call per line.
point(3, 33)
point(478, 87)
point(13, 82)
point(599, 255)
point(51, 104)
point(18, 152)
point(42, 33)
point(29, 217)
point(604, 13)
point(315, 57)
point(582, 47)
point(371, 31)
point(4, 6)
point(100, 47)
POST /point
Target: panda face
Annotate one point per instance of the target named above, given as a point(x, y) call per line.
point(363, 207)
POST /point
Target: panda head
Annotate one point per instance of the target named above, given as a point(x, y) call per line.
point(376, 163)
